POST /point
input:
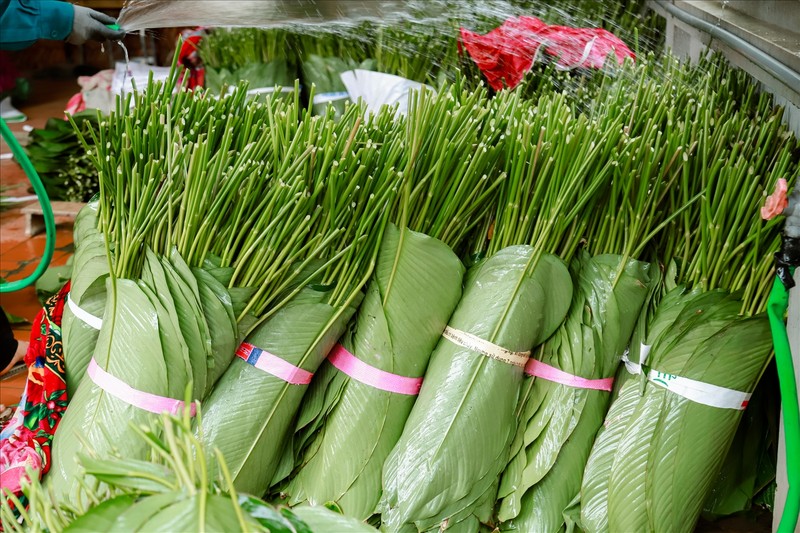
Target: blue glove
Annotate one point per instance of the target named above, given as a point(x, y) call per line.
point(90, 24)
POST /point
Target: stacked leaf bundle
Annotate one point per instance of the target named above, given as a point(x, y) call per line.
point(449, 156)
point(444, 470)
point(698, 356)
point(171, 491)
point(263, 58)
point(61, 161)
point(250, 414)
point(219, 228)
point(564, 401)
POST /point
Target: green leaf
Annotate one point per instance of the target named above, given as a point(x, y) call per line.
point(442, 469)
point(218, 312)
point(15, 320)
point(101, 518)
point(88, 291)
point(253, 440)
point(128, 348)
point(417, 285)
point(266, 515)
point(129, 474)
point(320, 519)
point(559, 422)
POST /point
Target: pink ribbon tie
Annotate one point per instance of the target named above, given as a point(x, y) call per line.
point(143, 400)
point(550, 373)
point(369, 375)
point(273, 365)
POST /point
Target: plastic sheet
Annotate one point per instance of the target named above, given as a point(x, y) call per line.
point(141, 14)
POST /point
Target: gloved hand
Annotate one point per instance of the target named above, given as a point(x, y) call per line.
point(90, 24)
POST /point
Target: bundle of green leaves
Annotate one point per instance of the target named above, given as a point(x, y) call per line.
point(170, 491)
point(262, 57)
point(451, 181)
point(62, 161)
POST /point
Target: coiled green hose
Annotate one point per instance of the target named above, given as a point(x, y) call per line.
point(47, 211)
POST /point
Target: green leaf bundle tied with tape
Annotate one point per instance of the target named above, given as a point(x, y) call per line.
point(444, 470)
point(251, 412)
point(650, 469)
point(359, 402)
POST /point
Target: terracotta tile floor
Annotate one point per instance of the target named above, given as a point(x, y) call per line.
point(19, 254)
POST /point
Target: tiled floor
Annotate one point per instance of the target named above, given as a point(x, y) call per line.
point(19, 254)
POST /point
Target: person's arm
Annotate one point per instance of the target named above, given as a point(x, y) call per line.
point(23, 22)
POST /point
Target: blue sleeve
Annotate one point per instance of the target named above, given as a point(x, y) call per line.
point(23, 22)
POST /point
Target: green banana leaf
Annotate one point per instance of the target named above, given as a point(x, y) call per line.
point(217, 305)
point(275, 73)
point(321, 519)
point(250, 414)
point(558, 422)
point(750, 465)
point(155, 339)
point(88, 291)
point(347, 428)
point(654, 464)
point(53, 280)
point(594, 489)
point(129, 347)
point(444, 469)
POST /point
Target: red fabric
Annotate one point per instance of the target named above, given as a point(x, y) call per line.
point(507, 53)
point(25, 440)
point(189, 57)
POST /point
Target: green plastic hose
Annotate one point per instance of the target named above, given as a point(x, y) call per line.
point(776, 310)
point(47, 211)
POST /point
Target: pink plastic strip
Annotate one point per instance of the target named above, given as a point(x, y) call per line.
point(545, 371)
point(143, 400)
point(369, 375)
point(273, 365)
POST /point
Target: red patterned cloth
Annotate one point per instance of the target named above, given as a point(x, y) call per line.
point(26, 438)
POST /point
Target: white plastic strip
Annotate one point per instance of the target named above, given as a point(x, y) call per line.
point(377, 89)
point(636, 368)
point(88, 318)
point(267, 90)
point(476, 344)
point(324, 98)
point(699, 392)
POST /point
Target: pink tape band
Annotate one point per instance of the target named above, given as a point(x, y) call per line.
point(273, 365)
point(369, 375)
point(550, 373)
point(143, 400)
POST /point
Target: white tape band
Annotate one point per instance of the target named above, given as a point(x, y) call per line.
point(91, 320)
point(324, 98)
point(636, 368)
point(476, 344)
point(699, 392)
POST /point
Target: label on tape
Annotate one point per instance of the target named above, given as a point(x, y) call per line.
point(476, 344)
